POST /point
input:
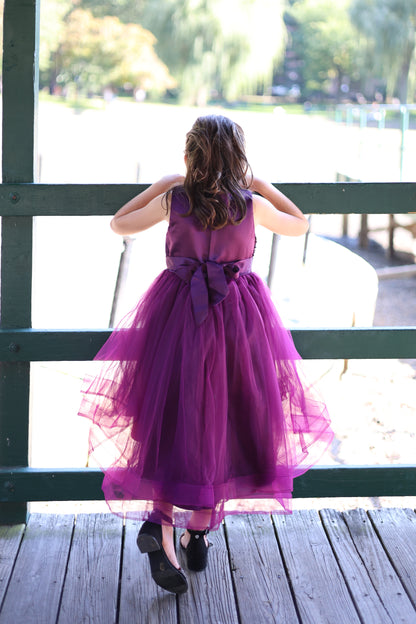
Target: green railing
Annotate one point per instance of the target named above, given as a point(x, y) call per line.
point(21, 200)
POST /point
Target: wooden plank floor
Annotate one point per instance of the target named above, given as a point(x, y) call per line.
point(309, 568)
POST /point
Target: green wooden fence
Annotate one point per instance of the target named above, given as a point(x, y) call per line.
point(21, 199)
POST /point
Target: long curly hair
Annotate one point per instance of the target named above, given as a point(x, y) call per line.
point(217, 172)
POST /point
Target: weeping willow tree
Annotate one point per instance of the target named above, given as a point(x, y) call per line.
point(185, 33)
point(227, 47)
point(326, 42)
point(253, 37)
point(390, 29)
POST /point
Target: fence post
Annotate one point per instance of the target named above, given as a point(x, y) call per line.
point(404, 125)
point(20, 85)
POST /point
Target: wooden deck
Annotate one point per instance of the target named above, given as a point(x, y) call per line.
point(312, 567)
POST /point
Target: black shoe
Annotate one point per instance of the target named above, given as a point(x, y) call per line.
point(196, 550)
point(163, 571)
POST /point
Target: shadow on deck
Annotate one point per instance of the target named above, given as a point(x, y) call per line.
point(311, 567)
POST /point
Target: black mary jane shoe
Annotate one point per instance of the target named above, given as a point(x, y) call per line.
point(196, 550)
point(163, 571)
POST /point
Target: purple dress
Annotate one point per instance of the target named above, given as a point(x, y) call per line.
point(200, 402)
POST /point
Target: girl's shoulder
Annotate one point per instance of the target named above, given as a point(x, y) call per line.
point(179, 201)
point(248, 194)
point(242, 192)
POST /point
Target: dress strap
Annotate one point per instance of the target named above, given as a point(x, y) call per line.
point(208, 280)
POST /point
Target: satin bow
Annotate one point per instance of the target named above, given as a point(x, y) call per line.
point(208, 280)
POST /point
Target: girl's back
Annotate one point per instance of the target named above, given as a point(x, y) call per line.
point(186, 238)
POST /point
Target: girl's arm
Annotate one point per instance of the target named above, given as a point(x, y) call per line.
point(275, 211)
point(146, 209)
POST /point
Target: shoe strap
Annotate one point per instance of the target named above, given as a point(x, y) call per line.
point(198, 533)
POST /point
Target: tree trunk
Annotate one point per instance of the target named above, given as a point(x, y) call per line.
point(403, 77)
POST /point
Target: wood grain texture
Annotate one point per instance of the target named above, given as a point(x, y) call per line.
point(51, 345)
point(20, 87)
point(91, 584)
point(367, 601)
point(262, 590)
point(396, 529)
point(381, 572)
point(318, 586)
point(19, 98)
point(16, 272)
point(43, 564)
point(46, 484)
point(356, 343)
point(36, 583)
point(41, 484)
point(16, 302)
point(10, 540)
point(14, 410)
point(105, 199)
point(141, 600)
point(39, 345)
point(388, 480)
point(210, 597)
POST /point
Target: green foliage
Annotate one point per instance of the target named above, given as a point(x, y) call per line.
point(254, 39)
point(92, 53)
point(326, 42)
point(228, 47)
point(390, 30)
point(185, 33)
point(53, 25)
point(127, 11)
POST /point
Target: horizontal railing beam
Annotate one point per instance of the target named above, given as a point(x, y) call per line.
point(105, 199)
point(39, 345)
point(339, 481)
point(356, 343)
point(38, 484)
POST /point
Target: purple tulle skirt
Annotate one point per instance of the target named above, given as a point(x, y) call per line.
point(214, 418)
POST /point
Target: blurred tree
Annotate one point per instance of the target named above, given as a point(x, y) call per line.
point(252, 41)
point(221, 47)
point(390, 29)
point(53, 25)
point(326, 41)
point(127, 11)
point(185, 32)
point(94, 53)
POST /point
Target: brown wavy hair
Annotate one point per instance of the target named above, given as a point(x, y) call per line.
point(217, 172)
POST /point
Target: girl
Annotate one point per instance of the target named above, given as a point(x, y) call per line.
point(200, 409)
